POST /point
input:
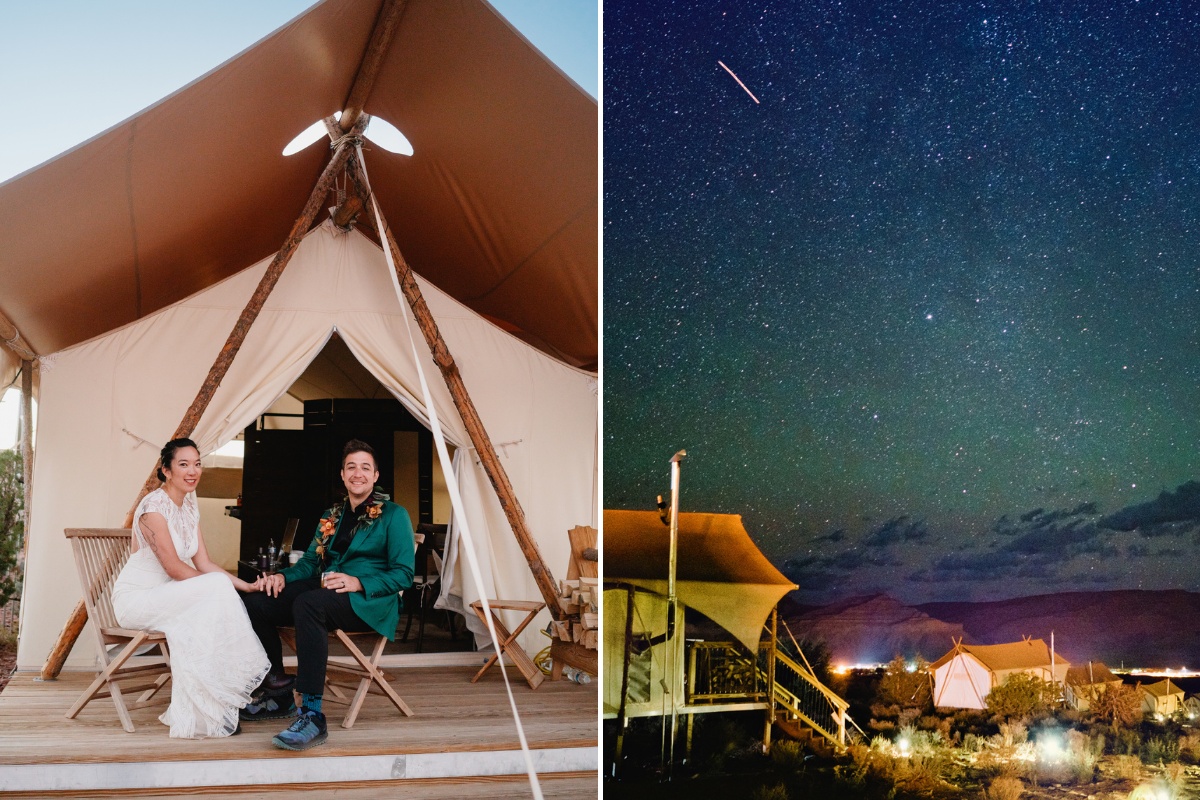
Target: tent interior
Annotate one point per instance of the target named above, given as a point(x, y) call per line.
point(249, 505)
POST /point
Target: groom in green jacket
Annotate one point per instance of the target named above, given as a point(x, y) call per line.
point(363, 553)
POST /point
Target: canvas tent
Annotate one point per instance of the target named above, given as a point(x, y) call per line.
point(129, 258)
point(964, 677)
point(1085, 683)
point(1163, 698)
point(721, 573)
point(497, 205)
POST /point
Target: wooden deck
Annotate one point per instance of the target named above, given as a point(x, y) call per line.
point(461, 742)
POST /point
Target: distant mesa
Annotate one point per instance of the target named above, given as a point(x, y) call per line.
point(1143, 628)
point(873, 629)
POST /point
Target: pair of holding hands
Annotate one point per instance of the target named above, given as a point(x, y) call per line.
point(339, 582)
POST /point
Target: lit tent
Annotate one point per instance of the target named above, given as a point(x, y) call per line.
point(720, 572)
point(128, 259)
point(965, 676)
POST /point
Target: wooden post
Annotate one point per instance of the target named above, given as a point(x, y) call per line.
point(626, 654)
point(237, 336)
point(15, 341)
point(26, 449)
point(466, 410)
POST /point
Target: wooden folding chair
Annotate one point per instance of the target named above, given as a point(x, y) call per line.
point(366, 669)
point(99, 555)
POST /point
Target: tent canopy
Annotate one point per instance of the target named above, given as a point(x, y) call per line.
point(720, 572)
point(497, 206)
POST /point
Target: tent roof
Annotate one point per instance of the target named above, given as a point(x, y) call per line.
point(719, 570)
point(1086, 675)
point(1025, 654)
point(1162, 688)
point(497, 206)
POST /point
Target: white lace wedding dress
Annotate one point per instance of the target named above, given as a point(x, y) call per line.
point(216, 660)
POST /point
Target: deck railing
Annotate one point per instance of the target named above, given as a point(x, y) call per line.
point(801, 695)
point(723, 672)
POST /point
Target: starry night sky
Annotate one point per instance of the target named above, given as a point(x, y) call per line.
point(928, 316)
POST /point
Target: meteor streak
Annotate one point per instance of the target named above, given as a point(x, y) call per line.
point(739, 80)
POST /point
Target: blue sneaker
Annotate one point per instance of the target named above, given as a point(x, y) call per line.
point(307, 731)
point(269, 708)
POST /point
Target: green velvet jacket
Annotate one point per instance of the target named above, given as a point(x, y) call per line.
point(381, 556)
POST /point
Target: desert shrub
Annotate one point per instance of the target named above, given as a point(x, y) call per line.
point(1189, 748)
point(1125, 767)
point(1005, 788)
point(884, 711)
point(12, 523)
point(1176, 775)
point(1160, 750)
point(776, 792)
point(1019, 696)
point(1120, 706)
point(972, 743)
point(1127, 743)
point(1013, 733)
point(787, 755)
point(902, 687)
point(908, 717)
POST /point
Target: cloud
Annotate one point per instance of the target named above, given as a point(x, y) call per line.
point(895, 530)
point(833, 536)
point(1182, 505)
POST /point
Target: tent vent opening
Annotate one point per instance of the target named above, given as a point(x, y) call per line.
point(379, 131)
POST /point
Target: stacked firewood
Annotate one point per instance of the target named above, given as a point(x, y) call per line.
point(580, 600)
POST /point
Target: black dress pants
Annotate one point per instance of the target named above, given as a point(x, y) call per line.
point(314, 612)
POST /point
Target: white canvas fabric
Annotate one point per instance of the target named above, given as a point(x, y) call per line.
point(102, 417)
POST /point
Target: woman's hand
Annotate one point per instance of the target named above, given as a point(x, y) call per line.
point(242, 586)
point(341, 583)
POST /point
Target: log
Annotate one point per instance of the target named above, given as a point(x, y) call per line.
point(466, 410)
point(66, 640)
point(15, 341)
point(372, 60)
point(237, 336)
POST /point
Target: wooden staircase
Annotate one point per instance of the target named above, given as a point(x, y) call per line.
point(808, 739)
point(807, 710)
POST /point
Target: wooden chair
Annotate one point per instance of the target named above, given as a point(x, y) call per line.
point(370, 678)
point(99, 555)
point(532, 674)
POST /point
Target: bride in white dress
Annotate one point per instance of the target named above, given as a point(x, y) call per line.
point(169, 584)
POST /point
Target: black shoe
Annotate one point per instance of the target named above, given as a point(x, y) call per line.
point(274, 685)
point(238, 729)
point(309, 730)
point(269, 708)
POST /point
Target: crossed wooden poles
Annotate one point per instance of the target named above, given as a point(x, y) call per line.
point(345, 133)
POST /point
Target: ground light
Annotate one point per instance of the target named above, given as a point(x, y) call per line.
point(1050, 747)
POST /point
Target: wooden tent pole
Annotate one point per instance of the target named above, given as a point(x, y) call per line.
point(466, 410)
point(26, 450)
point(372, 60)
point(70, 632)
point(15, 341)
